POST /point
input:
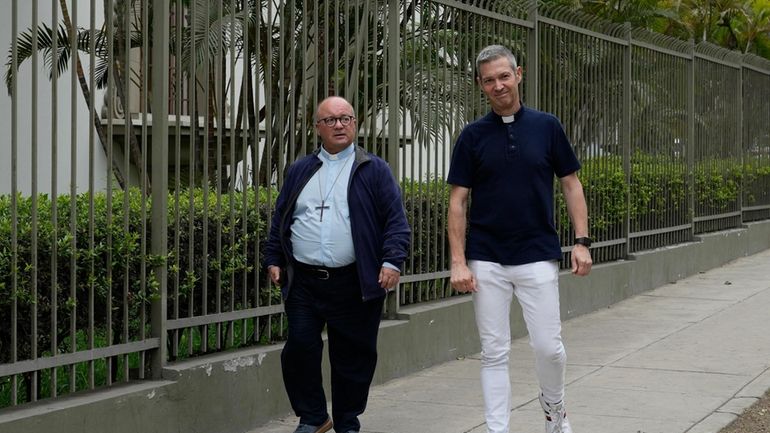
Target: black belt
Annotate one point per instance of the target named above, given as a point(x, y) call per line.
point(323, 272)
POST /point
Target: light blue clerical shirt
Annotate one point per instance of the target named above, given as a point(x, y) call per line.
point(320, 230)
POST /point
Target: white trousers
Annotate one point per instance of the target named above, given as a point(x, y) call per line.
point(536, 286)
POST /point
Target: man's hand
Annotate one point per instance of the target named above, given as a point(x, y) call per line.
point(388, 278)
point(581, 260)
point(462, 278)
point(275, 274)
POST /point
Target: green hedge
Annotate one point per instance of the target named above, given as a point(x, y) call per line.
point(112, 264)
point(657, 185)
point(426, 205)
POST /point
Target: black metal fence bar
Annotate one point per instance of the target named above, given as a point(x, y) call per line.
point(756, 139)
point(718, 148)
point(79, 357)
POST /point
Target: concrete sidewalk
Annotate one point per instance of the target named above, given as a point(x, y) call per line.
point(686, 357)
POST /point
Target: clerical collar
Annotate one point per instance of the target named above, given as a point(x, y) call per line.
point(512, 118)
point(342, 154)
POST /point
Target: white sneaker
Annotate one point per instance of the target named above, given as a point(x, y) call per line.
point(555, 417)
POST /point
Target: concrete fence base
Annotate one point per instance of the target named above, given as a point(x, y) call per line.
point(237, 391)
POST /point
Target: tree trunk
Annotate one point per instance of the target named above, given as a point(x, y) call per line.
point(116, 171)
point(135, 153)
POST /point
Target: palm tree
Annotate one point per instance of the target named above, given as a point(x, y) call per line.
point(640, 13)
point(300, 52)
point(47, 39)
point(733, 24)
point(754, 26)
point(706, 20)
point(294, 54)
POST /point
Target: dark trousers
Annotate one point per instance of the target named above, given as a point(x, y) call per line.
point(351, 326)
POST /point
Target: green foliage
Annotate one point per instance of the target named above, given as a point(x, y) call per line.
point(111, 258)
point(657, 196)
point(606, 189)
point(82, 372)
point(742, 25)
point(215, 243)
point(604, 184)
point(717, 185)
point(659, 191)
point(756, 181)
point(226, 260)
point(426, 205)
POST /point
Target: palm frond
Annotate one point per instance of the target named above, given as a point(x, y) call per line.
point(45, 38)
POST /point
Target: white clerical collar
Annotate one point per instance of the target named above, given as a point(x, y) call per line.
point(342, 154)
point(509, 119)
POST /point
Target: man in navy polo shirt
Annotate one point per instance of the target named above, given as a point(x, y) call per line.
point(506, 162)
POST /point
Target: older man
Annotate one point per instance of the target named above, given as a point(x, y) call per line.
point(338, 240)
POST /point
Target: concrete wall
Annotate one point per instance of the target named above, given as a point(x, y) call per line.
point(239, 390)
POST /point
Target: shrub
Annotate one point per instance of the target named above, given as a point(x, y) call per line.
point(111, 256)
point(116, 265)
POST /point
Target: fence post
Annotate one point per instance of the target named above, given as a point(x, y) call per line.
point(626, 132)
point(691, 138)
point(14, 198)
point(159, 244)
point(394, 57)
point(533, 58)
point(739, 135)
point(393, 144)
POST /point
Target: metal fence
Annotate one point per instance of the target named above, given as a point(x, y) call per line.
point(756, 139)
point(156, 256)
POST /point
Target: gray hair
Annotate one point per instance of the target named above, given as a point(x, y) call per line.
point(494, 52)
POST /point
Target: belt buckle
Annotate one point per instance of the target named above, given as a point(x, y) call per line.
point(323, 274)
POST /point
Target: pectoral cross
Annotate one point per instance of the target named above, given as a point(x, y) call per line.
point(322, 207)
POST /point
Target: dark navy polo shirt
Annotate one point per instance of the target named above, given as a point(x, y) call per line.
point(510, 170)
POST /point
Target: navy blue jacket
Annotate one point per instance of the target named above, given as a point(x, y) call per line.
point(378, 221)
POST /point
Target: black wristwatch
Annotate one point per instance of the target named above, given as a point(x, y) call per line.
point(584, 241)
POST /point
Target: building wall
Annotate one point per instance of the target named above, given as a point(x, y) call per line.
point(67, 119)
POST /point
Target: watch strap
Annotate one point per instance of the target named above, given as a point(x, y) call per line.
point(585, 241)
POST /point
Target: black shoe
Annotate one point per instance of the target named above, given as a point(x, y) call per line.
point(307, 428)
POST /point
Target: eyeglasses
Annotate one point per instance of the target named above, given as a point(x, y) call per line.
point(331, 121)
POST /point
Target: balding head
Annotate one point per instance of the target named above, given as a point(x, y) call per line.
point(332, 101)
point(337, 136)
